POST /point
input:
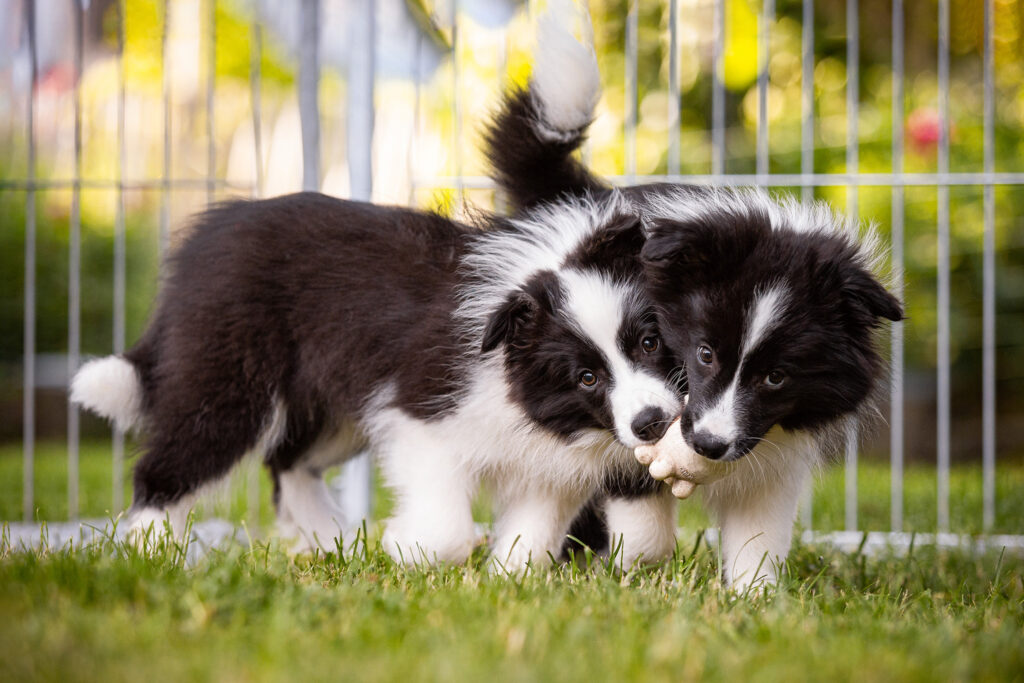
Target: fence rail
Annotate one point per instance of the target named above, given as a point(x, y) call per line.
point(360, 79)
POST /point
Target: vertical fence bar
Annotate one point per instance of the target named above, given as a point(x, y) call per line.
point(763, 56)
point(943, 417)
point(75, 263)
point(309, 100)
point(29, 333)
point(255, 86)
point(807, 168)
point(632, 89)
point(852, 197)
point(718, 90)
point(673, 88)
point(457, 105)
point(357, 476)
point(255, 94)
point(414, 139)
point(896, 373)
point(360, 100)
point(852, 104)
point(500, 200)
point(165, 78)
point(117, 445)
point(807, 100)
point(989, 291)
point(211, 84)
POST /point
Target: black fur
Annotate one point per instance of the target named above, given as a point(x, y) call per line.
point(614, 249)
point(258, 301)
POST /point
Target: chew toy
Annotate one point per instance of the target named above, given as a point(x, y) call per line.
point(673, 461)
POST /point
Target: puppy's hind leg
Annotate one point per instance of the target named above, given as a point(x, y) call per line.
point(307, 511)
point(177, 465)
point(201, 423)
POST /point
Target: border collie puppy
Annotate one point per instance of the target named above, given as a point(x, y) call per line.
point(525, 357)
point(772, 307)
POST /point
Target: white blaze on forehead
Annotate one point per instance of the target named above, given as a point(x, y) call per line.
point(761, 318)
point(722, 419)
point(597, 307)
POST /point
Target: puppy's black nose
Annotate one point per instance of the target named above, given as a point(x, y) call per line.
point(650, 424)
point(709, 445)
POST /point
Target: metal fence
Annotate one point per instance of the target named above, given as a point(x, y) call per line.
point(360, 118)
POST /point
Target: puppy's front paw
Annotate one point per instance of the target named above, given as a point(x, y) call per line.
point(424, 547)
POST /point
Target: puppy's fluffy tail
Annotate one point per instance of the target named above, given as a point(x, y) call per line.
point(531, 141)
point(110, 387)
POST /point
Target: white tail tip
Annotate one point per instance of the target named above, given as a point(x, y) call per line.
point(110, 387)
point(565, 79)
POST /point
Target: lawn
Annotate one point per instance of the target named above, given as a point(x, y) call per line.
point(254, 613)
point(95, 493)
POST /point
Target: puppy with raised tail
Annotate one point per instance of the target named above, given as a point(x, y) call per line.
point(772, 306)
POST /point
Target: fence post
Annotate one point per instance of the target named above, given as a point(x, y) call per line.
point(309, 100)
point(356, 477)
point(943, 351)
point(29, 345)
point(896, 389)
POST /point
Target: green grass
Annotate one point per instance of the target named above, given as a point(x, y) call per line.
point(254, 613)
point(828, 512)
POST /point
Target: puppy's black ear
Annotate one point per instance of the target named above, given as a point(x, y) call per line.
point(506, 323)
point(861, 288)
point(521, 307)
point(615, 246)
point(843, 281)
point(701, 250)
point(678, 244)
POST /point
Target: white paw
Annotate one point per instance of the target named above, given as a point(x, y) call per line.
point(426, 548)
point(307, 512)
point(764, 584)
point(307, 539)
point(151, 528)
point(517, 557)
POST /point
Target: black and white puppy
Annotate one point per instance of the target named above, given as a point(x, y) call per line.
point(524, 357)
point(771, 306)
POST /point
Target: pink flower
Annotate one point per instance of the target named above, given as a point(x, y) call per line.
point(923, 129)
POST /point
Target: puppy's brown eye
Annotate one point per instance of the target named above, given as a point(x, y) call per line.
point(588, 378)
point(775, 378)
point(650, 344)
point(704, 354)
